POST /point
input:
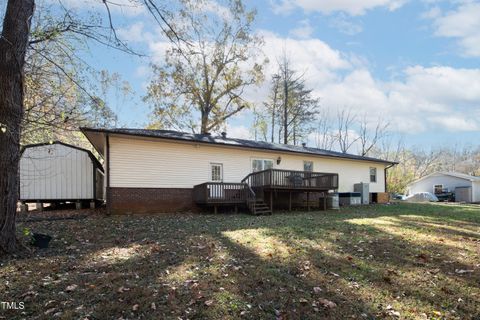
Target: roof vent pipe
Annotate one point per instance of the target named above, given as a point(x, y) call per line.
point(224, 134)
point(304, 144)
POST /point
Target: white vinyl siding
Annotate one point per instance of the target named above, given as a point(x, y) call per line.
point(155, 163)
point(55, 172)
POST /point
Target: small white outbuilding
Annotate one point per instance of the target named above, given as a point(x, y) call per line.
point(465, 187)
point(59, 172)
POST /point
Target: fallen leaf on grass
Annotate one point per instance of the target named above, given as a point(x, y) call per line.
point(317, 290)
point(208, 303)
point(327, 303)
point(28, 293)
point(51, 310)
point(461, 271)
point(423, 257)
point(72, 287)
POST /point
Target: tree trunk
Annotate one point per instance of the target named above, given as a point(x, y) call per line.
point(13, 45)
point(285, 109)
point(204, 123)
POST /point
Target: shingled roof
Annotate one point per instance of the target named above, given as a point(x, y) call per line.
point(233, 142)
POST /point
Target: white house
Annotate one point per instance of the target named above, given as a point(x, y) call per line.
point(161, 170)
point(57, 172)
point(465, 187)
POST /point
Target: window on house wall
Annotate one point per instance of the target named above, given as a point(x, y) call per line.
point(308, 166)
point(438, 188)
point(373, 174)
point(261, 164)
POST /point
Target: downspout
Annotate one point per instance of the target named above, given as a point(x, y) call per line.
point(385, 175)
point(107, 191)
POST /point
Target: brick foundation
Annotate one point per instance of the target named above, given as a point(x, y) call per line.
point(150, 200)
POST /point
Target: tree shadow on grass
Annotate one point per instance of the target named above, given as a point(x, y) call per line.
point(193, 266)
point(390, 265)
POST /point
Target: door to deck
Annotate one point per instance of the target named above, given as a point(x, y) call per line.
point(216, 175)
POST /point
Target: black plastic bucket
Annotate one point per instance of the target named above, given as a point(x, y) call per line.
point(40, 240)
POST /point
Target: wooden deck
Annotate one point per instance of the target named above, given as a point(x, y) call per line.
point(291, 180)
point(220, 193)
point(251, 190)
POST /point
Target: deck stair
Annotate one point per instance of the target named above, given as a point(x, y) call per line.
point(258, 207)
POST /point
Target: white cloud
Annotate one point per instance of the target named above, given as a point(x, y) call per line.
point(134, 33)
point(303, 31)
point(345, 25)
point(426, 98)
point(211, 6)
point(456, 123)
point(311, 56)
point(124, 7)
point(351, 7)
point(238, 131)
point(463, 24)
point(418, 99)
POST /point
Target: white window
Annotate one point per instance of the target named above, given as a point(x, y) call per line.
point(373, 174)
point(308, 166)
point(216, 172)
point(261, 164)
point(438, 188)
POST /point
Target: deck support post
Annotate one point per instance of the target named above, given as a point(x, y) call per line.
point(325, 197)
point(308, 201)
point(215, 211)
point(92, 204)
point(78, 205)
point(236, 209)
point(271, 201)
point(39, 206)
point(290, 201)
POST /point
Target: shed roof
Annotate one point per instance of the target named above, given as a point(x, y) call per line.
point(90, 154)
point(450, 174)
point(226, 141)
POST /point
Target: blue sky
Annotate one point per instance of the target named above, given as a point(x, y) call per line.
point(415, 63)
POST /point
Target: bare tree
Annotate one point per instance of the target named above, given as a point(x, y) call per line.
point(369, 137)
point(291, 107)
point(345, 136)
point(272, 105)
point(324, 135)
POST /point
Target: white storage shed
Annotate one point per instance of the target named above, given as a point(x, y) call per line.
point(60, 172)
point(465, 187)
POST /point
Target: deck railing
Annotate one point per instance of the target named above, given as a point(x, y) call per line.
point(291, 179)
point(221, 192)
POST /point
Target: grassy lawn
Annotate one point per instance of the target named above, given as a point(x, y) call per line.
point(402, 261)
